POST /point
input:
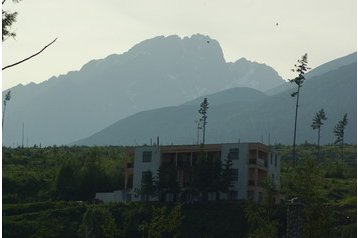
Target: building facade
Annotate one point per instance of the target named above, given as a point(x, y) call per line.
point(251, 164)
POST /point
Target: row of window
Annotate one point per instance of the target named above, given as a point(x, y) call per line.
point(233, 155)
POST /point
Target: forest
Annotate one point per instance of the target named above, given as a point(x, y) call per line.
point(49, 192)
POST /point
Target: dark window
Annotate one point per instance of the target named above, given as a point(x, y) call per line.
point(261, 196)
point(275, 160)
point(250, 195)
point(146, 174)
point(271, 158)
point(147, 156)
point(233, 195)
point(233, 154)
point(234, 174)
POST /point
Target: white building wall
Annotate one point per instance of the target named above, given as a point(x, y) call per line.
point(274, 166)
point(241, 164)
point(140, 167)
point(115, 196)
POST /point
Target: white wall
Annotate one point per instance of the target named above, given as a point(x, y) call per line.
point(140, 166)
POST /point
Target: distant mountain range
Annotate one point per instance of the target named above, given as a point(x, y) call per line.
point(159, 72)
point(156, 87)
point(246, 114)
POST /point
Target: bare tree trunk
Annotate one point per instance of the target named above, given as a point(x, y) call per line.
point(295, 128)
point(21, 61)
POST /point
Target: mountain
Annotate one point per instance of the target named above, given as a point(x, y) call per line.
point(158, 72)
point(324, 68)
point(231, 118)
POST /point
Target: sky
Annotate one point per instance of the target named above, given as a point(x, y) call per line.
point(94, 29)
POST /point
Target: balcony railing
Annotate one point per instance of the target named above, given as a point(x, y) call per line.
point(259, 162)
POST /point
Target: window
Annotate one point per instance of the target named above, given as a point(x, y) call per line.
point(146, 175)
point(147, 156)
point(234, 174)
point(250, 195)
point(273, 178)
point(233, 154)
point(233, 195)
point(261, 196)
point(271, 158)
point(275, 160)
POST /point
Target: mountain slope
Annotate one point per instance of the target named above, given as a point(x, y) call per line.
point(335, 91)
point(159, 72)
point(324, 68)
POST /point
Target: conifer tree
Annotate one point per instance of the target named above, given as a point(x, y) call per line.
point(203, 111)
point(339, 132)
point(167, 181)
point(316, 124)
point(226, 175)
point(4, 103)
point(147, 185)
point(301, 69)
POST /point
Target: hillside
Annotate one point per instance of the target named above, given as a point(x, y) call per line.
point(253, 120)
point(158, 72)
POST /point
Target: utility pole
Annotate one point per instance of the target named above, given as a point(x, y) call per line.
point(197, 131)
point(23, 131)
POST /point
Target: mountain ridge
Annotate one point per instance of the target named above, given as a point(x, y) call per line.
point(162, 71)
point(271, 115)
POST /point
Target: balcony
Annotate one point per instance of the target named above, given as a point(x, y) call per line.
point(251, 182)
point(258, 161)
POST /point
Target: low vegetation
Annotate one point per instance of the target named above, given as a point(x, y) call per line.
point(48, 192)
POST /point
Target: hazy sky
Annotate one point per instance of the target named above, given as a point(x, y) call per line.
point(93, 29)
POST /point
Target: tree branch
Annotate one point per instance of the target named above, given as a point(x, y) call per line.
point(21, 61)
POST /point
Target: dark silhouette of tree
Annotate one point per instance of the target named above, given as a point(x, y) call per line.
point(8, 18)
point(4, 103)
point(260, 215)
point(207, 175)
point(301, 69)
point(226, 176)
point(147, 186)
point(67, 184)
point(316, 124)
point(167, 181)
point(203, 111)
point(339, 132)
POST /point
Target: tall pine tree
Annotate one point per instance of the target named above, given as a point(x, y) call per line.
point(316, 125)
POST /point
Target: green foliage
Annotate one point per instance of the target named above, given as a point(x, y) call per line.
point(31, 175)
point(167, 181)
point(339, 130)
point(147, 186)
point(98, 222)
point(163, 223)
point(8, 18)
point(50, 219)
point(301, 69)
point(261, 216)
point(67, 173)
point(326, 188)
point(203, 111)
point(226, 176)
point(316, 125)
point(207, 175)
point(318, 119)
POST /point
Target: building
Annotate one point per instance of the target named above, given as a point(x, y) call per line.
point(251, 163)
